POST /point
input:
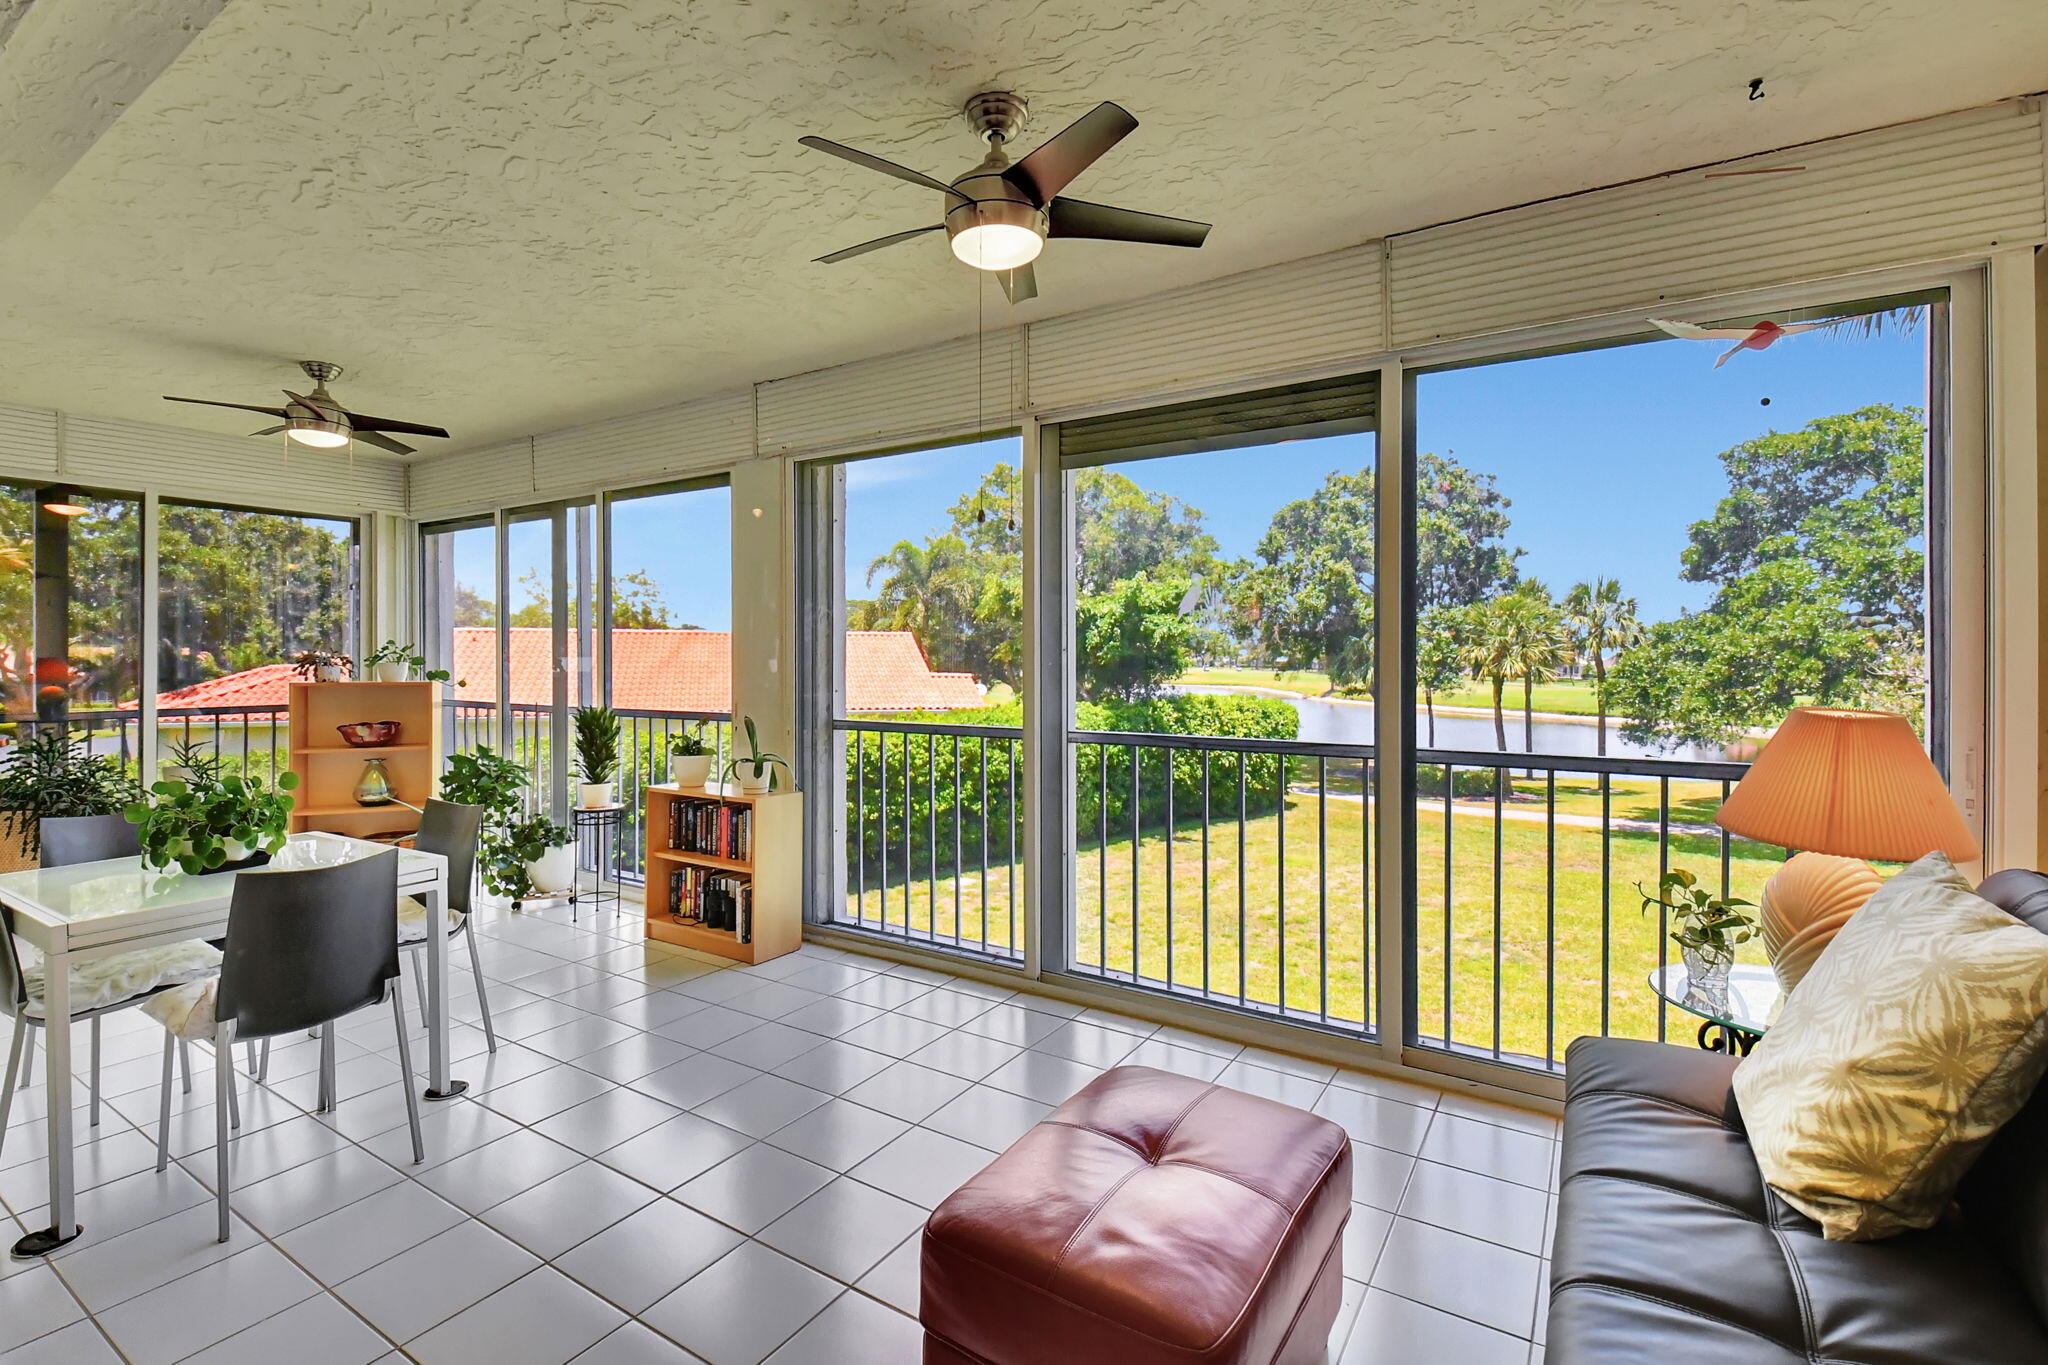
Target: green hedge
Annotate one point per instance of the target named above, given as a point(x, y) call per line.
point(945, 784)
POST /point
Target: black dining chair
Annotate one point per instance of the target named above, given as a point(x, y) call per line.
point(103, 984)
point(452, 831)
point(305, 947)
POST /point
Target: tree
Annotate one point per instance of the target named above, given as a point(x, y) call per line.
point(1439, 656)
point(1131, 637)
point(926, 590)
point(1818, 556)
point(637, 604)
point(471, 608)
point(1536, 644)
point(1486, 651)
point(1309, 597)
point(1601, 622)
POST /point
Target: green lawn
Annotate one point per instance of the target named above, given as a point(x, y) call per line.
point(1548, 994)
point(1302, 683)
point(1563, 697)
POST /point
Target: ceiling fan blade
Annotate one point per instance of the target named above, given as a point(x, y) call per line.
point(876, 163)
point(382, 442)
point(215, 403)
point(1072, 150)
point(1020, 284)
point(362, 424)
point(877, 244)
point(1079, 218)
point(267, 431)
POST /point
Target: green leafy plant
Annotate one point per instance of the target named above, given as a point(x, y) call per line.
point(487, 778)
point(690, 743)
point(597, 743)
point(54, 772)
point(212, 820)
point(1709, 925)
point(762, 763)
point(308, 663)
point(529, 839)
point(392, 652)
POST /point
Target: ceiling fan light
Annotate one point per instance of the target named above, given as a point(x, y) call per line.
point(311, 431)
point(997, 246)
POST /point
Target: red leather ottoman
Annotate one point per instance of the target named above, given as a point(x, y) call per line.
point(1150, 1220)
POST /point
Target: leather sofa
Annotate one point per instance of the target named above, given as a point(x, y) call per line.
point(1149, 1220)
point(1671, 1248)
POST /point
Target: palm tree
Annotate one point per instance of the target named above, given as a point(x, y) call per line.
point(1536, 645)
point(1439, 656)
point(925, 587)
point(1601, 622)
point(1487, 653)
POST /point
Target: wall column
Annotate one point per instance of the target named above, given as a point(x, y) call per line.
point(764, 603)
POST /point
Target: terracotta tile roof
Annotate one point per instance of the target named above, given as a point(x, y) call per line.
point(652, 670)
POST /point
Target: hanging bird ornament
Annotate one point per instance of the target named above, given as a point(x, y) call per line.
point(1758, 338)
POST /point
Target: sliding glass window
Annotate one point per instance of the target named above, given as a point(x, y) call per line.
point(914, 599)
point(1631, 561)
point(239, 594)
point(1220, 593)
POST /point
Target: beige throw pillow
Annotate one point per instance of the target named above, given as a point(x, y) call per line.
point(1919, 1031)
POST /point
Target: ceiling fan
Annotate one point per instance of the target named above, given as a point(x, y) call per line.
point(316, 419)
point(999, 214)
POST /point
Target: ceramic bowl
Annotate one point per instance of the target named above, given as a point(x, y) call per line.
point(368, 733)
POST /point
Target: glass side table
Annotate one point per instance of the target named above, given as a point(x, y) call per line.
point(599, 826)
point(1733, 1017)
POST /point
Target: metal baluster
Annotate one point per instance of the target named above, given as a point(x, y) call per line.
point(1172, 943)
point(1242, 758)
point(981, 753)
point(1280, 812)
point(1450, 891)
point(1367, 790)
point(882, 829)
point(1606, 902)
point(1102, 859)
point(908, 816)
point(1663, 866)
point(1323, 887)
point(1137, 849)
point(1206, 755)
point(1010, 746)
point(957, 869)
point(860, 827)
point(1550, 918)
point(931, 834)
point(1500, 782)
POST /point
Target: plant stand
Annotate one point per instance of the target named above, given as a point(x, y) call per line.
point(599, 826)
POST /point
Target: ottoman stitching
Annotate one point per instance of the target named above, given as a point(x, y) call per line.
point(1238, 1181)
point(1100, 1204)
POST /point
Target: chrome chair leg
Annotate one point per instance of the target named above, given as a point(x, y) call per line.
point(95, 1120)
point(13, 1066)
point(185, 1063)
point(163, 1113)
point(263, 1072)
point(476, 969)
point(226, 1061)
point(328, 1099)
point(223, 1092)
point(412, 1094)
point(419, 974)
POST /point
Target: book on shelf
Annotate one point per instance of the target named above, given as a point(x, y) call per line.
point(712, 828)
point(716, 900)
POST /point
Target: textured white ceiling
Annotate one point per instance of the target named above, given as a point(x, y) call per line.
point(509, 215)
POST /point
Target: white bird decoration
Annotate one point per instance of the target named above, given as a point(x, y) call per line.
point(1757, 338)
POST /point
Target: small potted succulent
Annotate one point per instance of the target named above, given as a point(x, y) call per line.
point(54, 772)
point(689, 757)
point(217, 822)
point(754, 771)
point(1707, 928)
point(546, 855)
point(320, 665)
point(395, 662)
point(597, 755)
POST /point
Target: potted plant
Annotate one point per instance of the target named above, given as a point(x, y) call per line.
point(395, 662)
point(320, 665)
point(188, 759)
point(755, 771)
point(597, 755)
point(1707, 928)
point(545, 854)
point(487, 778)
point(215, 823)
point(54, 772)
point(689, 757)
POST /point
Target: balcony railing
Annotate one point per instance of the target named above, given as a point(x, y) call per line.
point(1240, 872)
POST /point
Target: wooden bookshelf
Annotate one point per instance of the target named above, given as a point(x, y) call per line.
point(328, 768)
point(775, 871)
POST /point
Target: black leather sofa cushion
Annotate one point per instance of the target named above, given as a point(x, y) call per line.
point(1670, 1248)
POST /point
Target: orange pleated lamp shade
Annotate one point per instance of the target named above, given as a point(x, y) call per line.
point(1852, 783)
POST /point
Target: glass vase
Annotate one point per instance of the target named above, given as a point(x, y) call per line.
point(373, 788)
point(1706, 975)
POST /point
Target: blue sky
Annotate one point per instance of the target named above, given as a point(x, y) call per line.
point(1606, 457)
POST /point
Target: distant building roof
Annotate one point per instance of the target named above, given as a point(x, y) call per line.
point(652, 670)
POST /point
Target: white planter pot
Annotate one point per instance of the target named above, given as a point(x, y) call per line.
point(327, 673)
point(554, 871)
point(688, 770)
point(753, 779)
point(389, 672)
point(593, 795)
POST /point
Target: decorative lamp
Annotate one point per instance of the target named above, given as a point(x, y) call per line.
point(1838, 786)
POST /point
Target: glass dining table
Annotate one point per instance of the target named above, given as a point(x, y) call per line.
point(87, 910)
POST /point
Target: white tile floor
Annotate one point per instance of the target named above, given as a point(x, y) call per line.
point(672, 1162)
